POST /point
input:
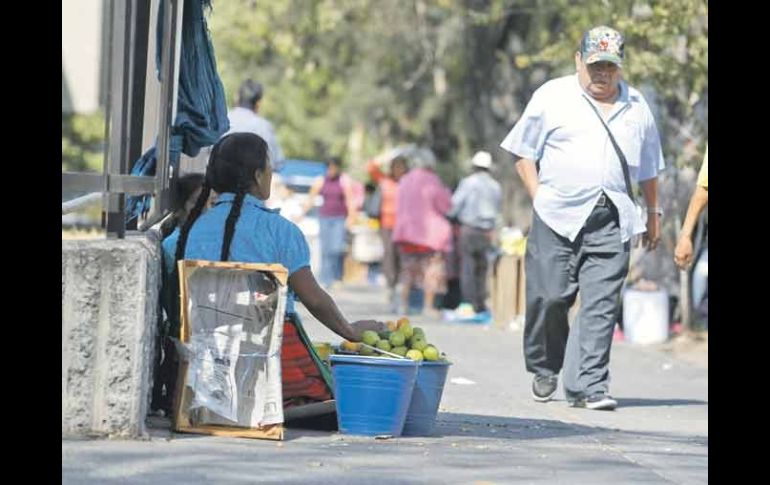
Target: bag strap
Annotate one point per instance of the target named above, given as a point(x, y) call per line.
point(621, 157)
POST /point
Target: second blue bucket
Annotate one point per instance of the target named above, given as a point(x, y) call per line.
point(421, 416)
point(372, 393)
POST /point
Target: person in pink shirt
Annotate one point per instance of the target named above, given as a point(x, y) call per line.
point(422, 232)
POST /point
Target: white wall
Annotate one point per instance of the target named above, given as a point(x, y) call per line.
point(81, 52)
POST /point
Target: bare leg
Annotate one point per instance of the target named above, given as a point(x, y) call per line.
point(406, 287)
point(434, 278)
point(428, 304)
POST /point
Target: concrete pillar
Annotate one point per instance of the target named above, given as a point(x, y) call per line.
point(109, 318)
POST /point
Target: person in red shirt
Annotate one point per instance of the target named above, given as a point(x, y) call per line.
point(388, 186)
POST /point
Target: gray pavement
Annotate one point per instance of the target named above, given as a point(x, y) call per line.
point(489, 429)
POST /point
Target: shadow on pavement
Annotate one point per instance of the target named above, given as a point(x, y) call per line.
point(642, 402)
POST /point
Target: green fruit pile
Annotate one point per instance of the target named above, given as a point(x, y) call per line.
point(401, 339)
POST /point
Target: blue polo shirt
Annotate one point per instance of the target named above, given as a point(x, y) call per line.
point(261, 236)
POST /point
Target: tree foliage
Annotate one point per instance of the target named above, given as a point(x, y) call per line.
point(353, 77)
point(82, 142)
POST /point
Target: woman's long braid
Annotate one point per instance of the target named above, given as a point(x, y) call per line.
point(196, 211)
point(232, 218)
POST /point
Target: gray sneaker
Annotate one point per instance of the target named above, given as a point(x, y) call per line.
point(544, 388)
point(599, 401)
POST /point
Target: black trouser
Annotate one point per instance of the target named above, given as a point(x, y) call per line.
point(474, 247)
point(596, 263)
point(390, 261)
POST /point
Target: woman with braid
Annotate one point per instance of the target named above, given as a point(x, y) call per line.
point(239, 227)
point(187, 190)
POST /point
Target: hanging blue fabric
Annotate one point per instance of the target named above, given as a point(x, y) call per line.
point(201, 116)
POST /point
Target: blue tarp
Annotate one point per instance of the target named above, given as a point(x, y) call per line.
point(201, 116)
point(295, 172)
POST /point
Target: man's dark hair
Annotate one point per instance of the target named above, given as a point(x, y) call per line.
point(249, 93)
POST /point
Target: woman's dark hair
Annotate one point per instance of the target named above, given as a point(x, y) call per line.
point(234, 160)
point(186, 185)
point(334, 161)
point(400, 159)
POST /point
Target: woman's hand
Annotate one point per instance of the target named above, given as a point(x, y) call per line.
point(361, 326)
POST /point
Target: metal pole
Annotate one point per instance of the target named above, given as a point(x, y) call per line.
point(114, 203)
point(140, 38)
point(79, 202)
point(128, 61)
point(171, 50)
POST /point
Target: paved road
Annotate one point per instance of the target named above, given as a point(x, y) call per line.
point(489, 428)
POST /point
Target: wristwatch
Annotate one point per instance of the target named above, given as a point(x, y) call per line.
point(655, 210)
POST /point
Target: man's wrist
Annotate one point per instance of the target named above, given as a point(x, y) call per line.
point(655, 210)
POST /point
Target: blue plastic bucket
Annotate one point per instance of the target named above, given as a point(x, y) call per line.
point(372, 393)
point(421, 416)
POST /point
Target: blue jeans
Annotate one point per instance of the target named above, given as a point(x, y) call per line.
point(333, 248)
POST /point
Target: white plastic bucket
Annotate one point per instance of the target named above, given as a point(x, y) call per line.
point(645, 316)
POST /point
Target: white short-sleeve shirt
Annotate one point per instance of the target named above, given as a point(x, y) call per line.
point(577, 161)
